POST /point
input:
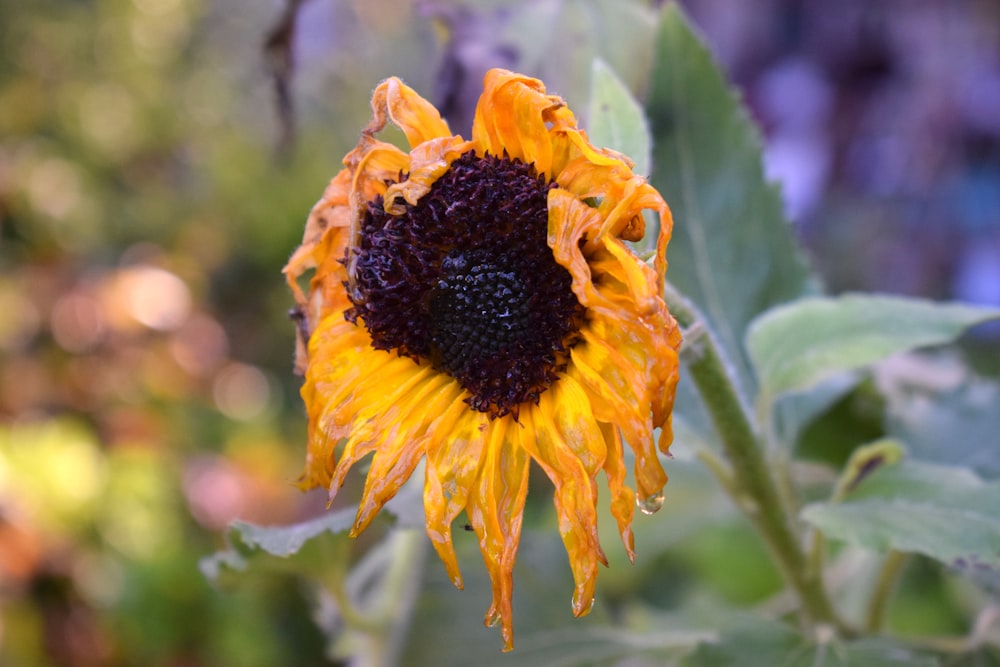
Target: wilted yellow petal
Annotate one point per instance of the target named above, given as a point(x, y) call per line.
point(422, 336)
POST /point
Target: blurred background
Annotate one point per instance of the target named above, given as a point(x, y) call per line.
point(157, 162)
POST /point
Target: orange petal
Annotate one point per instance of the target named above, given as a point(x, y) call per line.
point(611, 404)
point(511, 118)
point(622, 497)
point(381, 162)
point(427, 162)
point(575, 494)
point(495, 510)
point(414, 115)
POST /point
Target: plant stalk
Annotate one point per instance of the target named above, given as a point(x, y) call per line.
point(888, 577)
point(750, 474)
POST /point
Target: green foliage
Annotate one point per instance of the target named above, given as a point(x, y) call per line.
point(943, 512)
point(615, 119)
point(947, 415)
point(832, 430)
point(734, 256)
point(732, 251)
point(795, 347)
point(282, 541)
point(755, 643)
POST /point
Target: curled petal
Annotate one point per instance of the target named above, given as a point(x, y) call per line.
point(511, 119)
point(414, 115)
point(453, 464)
point(427, 162)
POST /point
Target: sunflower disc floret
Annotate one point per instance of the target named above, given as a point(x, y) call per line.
point(473, 303)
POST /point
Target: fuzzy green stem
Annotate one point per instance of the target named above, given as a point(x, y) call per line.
point(751, 475)
point(888, 577)
point(399, 592)
point(382, 618)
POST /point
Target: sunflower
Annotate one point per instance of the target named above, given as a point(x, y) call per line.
point(473, 303)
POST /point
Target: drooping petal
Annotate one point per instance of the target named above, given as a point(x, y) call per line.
point(622, 496)
point(609, 393)
point(575, 493)
point(401, 441)
point(373, 409)
point(495, 510)
point(326, 235)
point(339, 360)
point(454, 454)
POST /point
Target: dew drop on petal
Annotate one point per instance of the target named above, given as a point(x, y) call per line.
point(650, 505)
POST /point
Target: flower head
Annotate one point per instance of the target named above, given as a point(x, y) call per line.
point(473, 302)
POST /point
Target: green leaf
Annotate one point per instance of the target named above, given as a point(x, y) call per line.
point(599, 645)
point(852, 420)
point(732, 253)
point(554, 40)
point(796, 346)
point(943, 412)
point(615, 120)
point(559, 40)
point(794, 414)
point(284, 541)
point(946, 513)
point(748, 641)
point(244, 539)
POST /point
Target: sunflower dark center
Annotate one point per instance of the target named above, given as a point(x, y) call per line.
point(465, 279)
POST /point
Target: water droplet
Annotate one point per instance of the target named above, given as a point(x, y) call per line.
point(650, 505)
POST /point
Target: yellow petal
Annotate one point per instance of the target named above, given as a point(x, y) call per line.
point(612, 404)
point(375, 412)
point(612, 362)
point(380, 162)
point(401, 441)
point(454, 452)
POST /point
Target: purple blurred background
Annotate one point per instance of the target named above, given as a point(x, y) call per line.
point(883, 124)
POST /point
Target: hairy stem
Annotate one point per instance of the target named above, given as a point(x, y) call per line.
point(751, 477)
point(376, 601)
point(888, 576)
point(398, 595)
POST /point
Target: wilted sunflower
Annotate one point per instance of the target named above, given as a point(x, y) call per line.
point(473, 302)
